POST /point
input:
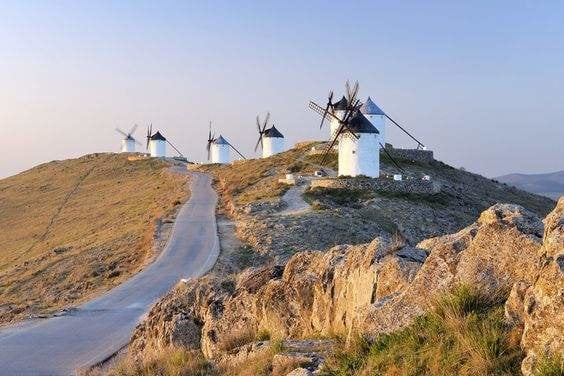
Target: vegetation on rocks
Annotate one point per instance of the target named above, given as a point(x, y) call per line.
point(464, 334)
point(79, 227)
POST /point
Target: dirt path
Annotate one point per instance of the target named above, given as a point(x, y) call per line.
point(295, 203)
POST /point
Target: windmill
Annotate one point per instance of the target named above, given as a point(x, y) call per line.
point(219, 148)
point(156, 144)
point(358, 150)
point(128, 141)
point(270, 139)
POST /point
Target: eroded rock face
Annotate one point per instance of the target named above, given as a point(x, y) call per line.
point(315, 293)
point(543, 302)
point(493, 254)
point(372, 288)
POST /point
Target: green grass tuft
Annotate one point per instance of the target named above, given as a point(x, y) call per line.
point(550, 366)
point(465, 333)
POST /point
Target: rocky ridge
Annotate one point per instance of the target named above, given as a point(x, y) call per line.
point(377, 287)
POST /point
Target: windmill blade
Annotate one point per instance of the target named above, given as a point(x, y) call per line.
point(174, 147)
point(133, 129)
point(121, 132)
point(333, 142)
point(354, 91)
point(259, 142)
point(149, 129)
point(419, 143)
point(392, 159)
point(266, 119)
point(258, 124)
point(351, 93)
point(329, 105)
point(321, 111)
point(236, 151)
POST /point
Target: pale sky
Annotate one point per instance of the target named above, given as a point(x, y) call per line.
point(481, 84)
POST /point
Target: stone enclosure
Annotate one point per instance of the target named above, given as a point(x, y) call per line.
point(417, 186)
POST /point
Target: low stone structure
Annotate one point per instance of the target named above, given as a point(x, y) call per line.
point(418, 186)
point(416, 155)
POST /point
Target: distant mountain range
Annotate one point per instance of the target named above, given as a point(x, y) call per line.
point(549, 185)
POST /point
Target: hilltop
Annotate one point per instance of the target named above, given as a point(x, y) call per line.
point(252, 195)
point(78, 227)
point(550, 184)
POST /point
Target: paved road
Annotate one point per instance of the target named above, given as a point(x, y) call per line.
point(97, 329)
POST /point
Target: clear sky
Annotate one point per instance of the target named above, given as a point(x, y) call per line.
point(481, 82)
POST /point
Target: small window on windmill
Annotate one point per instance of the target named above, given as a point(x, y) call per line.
point(354, 151)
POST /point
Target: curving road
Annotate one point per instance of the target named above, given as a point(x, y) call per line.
point(96, 330)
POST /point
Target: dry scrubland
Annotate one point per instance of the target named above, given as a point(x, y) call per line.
point(75, 228)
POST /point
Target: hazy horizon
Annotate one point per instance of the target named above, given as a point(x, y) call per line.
point(480, 84)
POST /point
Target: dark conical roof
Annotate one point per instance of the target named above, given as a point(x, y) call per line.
point(221, 141)
point(341, 105)
point(273, 132)
point(360, 124)
point(158, 136)
point(371, 108)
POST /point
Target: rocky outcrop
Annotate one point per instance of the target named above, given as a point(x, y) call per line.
point(315, 293)
point(493, 254)
point(538, 305)
point(373, 288)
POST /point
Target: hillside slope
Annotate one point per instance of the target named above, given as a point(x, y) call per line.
point(77, 227)
point(252, 195)
point(550, 184)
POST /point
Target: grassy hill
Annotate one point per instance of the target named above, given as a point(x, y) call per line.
point(78, 227)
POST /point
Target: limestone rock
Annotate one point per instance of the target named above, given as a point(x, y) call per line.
point(543, 312)
point(300, 372)
point(493, 253)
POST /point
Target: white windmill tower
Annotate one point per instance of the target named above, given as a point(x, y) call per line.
point(156, 144)
point(219, 149)
point(359, 148)
point(128, 142)
point(271, 140)
point(376, 116)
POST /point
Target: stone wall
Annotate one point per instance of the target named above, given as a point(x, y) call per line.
point(380, 184)
point(424, 156)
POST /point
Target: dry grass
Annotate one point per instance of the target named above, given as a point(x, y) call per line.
point(236, 339)
point(253, 180)
point(168, 362)
point(77, 227)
